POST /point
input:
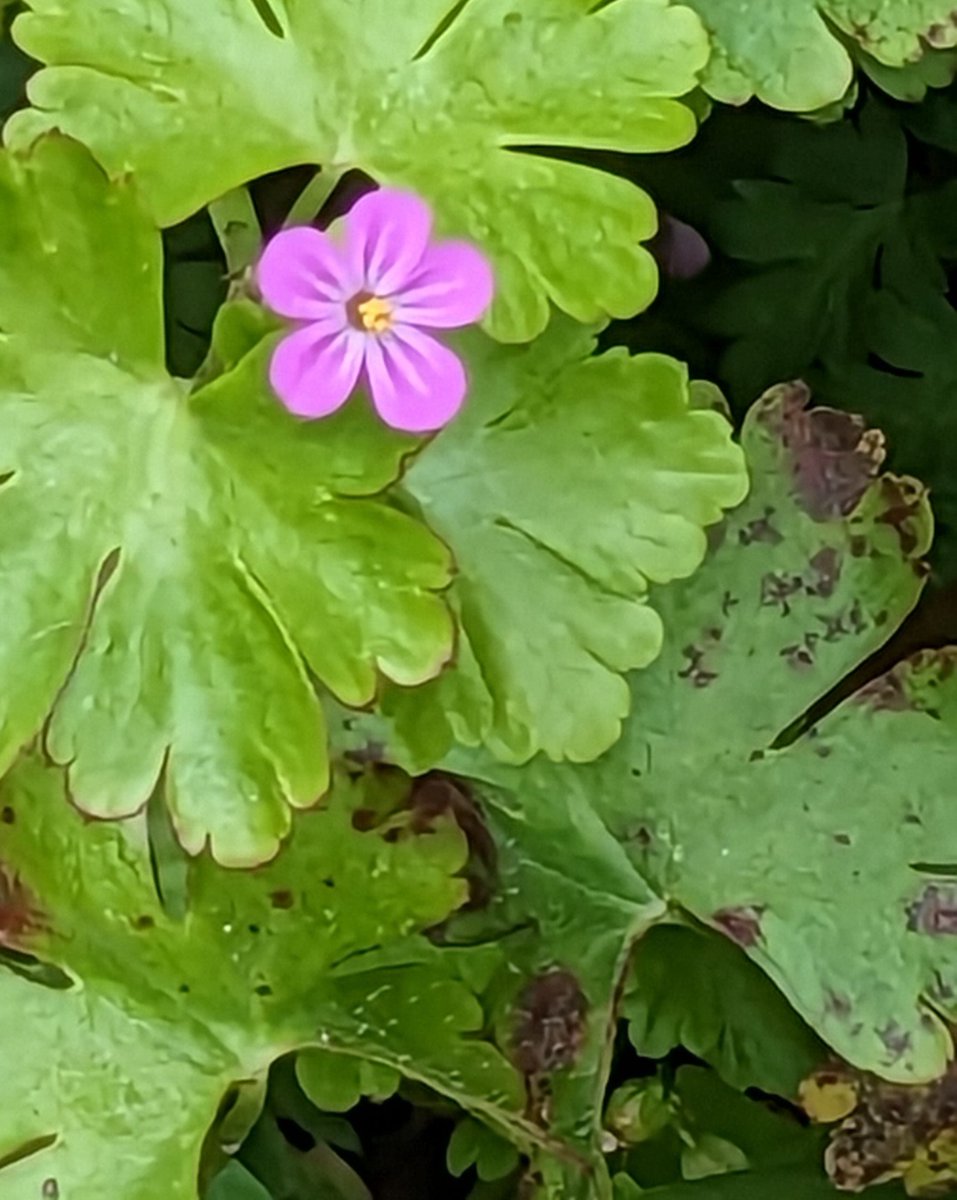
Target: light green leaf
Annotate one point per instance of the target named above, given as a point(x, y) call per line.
point(111, 1085)
point(567, 485)
point(437, 101)
point(786, 52)
point(337, 1084)
point(176, 565)
point(830, 858)
point(695, 989)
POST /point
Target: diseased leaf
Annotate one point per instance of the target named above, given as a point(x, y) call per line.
point(826, 859)
point(567, 485)
point(839, 245)
point(437, 101)
point(111, 1085)
point(791, 53)
point(175, 565)
point(563, 916)
point(886, 1131)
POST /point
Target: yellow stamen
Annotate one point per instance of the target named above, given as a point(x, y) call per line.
point(375, 314)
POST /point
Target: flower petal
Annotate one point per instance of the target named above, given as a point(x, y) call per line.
point(314, 370)
point(386, 235)
point(453, 285)
point(304, 274)
point(417, 384)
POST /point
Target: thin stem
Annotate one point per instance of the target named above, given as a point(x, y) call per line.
point(313, 197)
point(237, 227)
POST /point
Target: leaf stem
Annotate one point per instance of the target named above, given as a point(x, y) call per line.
point(237, 227)
point(313, 197)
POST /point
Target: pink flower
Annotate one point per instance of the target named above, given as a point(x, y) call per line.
point(363, 301)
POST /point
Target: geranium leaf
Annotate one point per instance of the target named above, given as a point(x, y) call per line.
point(111, 1085)
point(791, 53)
point(567, 485)
point(694, 988)
point(176, 565)
point(828, 857)
point(424, 102)
point(872, 320)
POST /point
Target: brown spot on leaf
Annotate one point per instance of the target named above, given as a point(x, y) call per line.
point(837, 1004)
point(935, 911)
point(940, 990)
point(892, 1128)
point(695, 671)
point(801, 655)
point(19, 914)
point(7, 815)
point(911, 685)
point(901, 503)
point(897, 1040)
point(834, 456)
point(941, 35)
point(549, 1023)
point(742, 924)
point(437, 795)
point(777, 589)
point(51, 1189)
point(282, 899)
point(834, 627)
point(826, 565)
point(760, 530)
point(886, 693)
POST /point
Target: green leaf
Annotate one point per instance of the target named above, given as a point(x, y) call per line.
point(695, 989)
point(788, 52)
point(733, 1132)
point(176, 566)
point(567, 485)
point(337, 1084)
point(472, 1144)
point(111, 1085)
point(295, 1174)
point(234, 1182)
point(567, 909)
point(707, 1129)
point(437, 102)
point(840, 240)
point(828, 858)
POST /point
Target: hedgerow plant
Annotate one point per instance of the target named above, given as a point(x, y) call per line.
point(445, 747)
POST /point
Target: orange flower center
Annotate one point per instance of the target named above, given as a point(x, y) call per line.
point(370, 313)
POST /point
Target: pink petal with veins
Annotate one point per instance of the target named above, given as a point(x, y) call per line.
point(386, 235)
point(314, 370)
point(303, 274)
point(417, 384)
point(452, 286)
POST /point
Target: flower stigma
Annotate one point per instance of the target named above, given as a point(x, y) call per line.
point(372, 314)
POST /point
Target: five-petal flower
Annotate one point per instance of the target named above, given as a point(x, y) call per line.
point(363, 294)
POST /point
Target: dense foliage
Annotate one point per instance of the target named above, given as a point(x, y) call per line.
point(558, 803)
